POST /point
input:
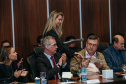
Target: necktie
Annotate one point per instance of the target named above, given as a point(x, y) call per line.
point(54, 66)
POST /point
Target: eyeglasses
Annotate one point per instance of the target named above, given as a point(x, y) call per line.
point(90, 44)
point(53, 44)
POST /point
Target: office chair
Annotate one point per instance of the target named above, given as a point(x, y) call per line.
point(31, 61)
point(102, 46)
point(38, 50)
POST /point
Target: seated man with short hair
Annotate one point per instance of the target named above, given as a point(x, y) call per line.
point(89, 51)
point(114, 55)
point(50, 61)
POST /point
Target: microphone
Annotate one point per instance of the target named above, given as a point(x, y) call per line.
point(124, 48)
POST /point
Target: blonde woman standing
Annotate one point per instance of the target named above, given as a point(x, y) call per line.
point(54, 28)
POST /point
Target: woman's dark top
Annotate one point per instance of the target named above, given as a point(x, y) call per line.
point(61, 46)
point(7, 74)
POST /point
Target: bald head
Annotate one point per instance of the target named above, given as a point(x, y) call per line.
point(118, 42)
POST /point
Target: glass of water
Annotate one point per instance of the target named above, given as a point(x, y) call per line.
point(42, 75)
point(124, 68)
point(79, 74)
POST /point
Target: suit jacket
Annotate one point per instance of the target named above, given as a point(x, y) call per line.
point(75, 61)
point(43, 65)
point(112, 60)
point(60, 45)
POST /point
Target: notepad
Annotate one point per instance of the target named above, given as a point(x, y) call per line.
point(96, 60)
point(94, 81)
point(67, 75)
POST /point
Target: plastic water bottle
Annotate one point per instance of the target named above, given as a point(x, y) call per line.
point(37, 80)
point(83, 74)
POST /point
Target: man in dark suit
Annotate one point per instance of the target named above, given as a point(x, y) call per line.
point(114, 55)
point(50, 61)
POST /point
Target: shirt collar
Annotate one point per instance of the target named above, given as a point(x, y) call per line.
point(48, 56)
point(87, 55)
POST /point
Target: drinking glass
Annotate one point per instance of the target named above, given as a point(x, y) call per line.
point(42, 75)
point(124, 68)
point(79, 74)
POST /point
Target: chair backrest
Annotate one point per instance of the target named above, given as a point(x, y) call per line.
point(38, 50)
point(102, 46)
point(31, 62)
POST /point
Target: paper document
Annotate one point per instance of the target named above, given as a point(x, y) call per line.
point(96, 60)
point(67, 75)
point(74, 41)
point(94, 81)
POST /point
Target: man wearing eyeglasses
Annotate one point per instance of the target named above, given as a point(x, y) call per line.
point(50, 61)
point(89, 51)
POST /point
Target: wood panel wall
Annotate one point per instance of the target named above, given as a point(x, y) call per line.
point(95, 19)
point(30, 17)
point(5, 21)
point(118, 14)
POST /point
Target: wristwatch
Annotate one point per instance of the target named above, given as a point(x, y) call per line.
point(58, 65)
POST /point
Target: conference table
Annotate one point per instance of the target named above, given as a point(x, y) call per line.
point(116, 80)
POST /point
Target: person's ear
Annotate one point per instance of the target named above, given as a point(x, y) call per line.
point(115, 43)
point(46, 46)
point(86, 43)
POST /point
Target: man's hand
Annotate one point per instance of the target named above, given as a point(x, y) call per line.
point(63, 58)
point(20, 62)
point(60, 61)
point(78, 55)
point(85, 64)
point(98, 65)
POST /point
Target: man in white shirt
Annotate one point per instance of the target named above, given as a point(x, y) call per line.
point(89, 51)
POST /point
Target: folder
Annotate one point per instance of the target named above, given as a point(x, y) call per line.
point(74, 41)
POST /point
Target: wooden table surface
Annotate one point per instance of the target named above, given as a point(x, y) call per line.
point(115, 80)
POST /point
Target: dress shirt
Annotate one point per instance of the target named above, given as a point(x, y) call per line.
point(91, 69)
point(49, 57)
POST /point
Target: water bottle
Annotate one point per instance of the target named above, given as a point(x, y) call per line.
point(83, 74)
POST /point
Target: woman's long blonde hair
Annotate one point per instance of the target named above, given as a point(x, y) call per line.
point(51, 23)
point(4, 55)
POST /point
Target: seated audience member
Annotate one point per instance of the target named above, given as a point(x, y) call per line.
point(39, 40)
point(50, 61)
point(19, 60)
point(114, 56)
point(39, 44)
point(8, 68)
point(119, 33)
point(89, 51)
point(72, 45)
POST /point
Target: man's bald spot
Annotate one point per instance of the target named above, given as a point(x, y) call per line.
point(119, 37)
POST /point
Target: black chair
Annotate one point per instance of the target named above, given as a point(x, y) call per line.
point(31, 61)
point(102, 46)
point(38, 50)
